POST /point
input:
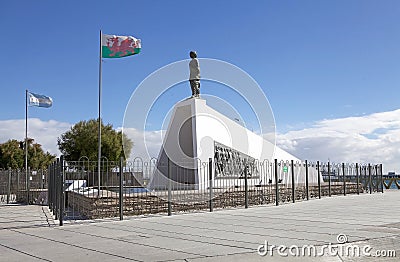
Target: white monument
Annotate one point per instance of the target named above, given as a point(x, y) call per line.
point(196, 133)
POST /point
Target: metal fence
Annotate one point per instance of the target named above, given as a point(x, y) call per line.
point(390, 182)
point(78, 191)
point(19, 186)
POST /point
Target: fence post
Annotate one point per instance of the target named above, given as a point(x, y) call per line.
point(307, 192)
point(344, 179)
point(357, 179)
point(57, 188)
point(381, 172)
point(49, 192)
point(62, 190)
point(319, 181)
point(366, 183)
point(276, 183)
point(210, 176)
point(9, 186)
point(41, 179)
point(369, 177)
point(293, 184)
point(246, 192)
point(48, 187)
point(18, 181)
point(121, 191)
point(55, 183)
point(169, 188)
point(28, 185)
point(329, 179)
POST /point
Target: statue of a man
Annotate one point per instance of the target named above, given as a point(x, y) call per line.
point(194, 77)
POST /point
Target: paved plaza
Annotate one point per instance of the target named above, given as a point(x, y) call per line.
point(370, 222)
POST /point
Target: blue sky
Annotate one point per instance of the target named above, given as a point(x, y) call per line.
point(315, 60)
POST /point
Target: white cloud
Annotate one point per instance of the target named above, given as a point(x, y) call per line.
point(44, 132)
point(371, 138)
point(145, 144)
point(47, 132)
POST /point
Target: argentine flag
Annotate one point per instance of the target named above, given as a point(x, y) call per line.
point(40, 100)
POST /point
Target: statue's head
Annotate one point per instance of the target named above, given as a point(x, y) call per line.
point(193, 54)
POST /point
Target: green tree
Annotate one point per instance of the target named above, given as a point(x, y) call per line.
point(82, 140)
point(12, 155)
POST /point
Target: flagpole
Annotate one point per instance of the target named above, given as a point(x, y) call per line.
point(26, 144)
point(99, 140)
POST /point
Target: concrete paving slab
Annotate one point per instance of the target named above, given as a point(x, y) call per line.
point(10, 254)
point(28, 233)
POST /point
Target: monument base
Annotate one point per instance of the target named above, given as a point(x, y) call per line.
point(197, 134)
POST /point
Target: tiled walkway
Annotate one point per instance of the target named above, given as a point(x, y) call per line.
point(27, 233)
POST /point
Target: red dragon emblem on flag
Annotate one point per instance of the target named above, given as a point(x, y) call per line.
point(122, 46)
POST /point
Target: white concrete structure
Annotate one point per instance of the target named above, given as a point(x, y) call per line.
point(194, 130)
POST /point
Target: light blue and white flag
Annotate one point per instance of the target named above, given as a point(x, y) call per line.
point(39, 100)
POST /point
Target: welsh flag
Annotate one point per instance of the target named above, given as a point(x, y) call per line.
point(114, 46)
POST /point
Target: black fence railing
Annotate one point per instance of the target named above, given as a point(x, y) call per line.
point(19, 186)
point(78, 191)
